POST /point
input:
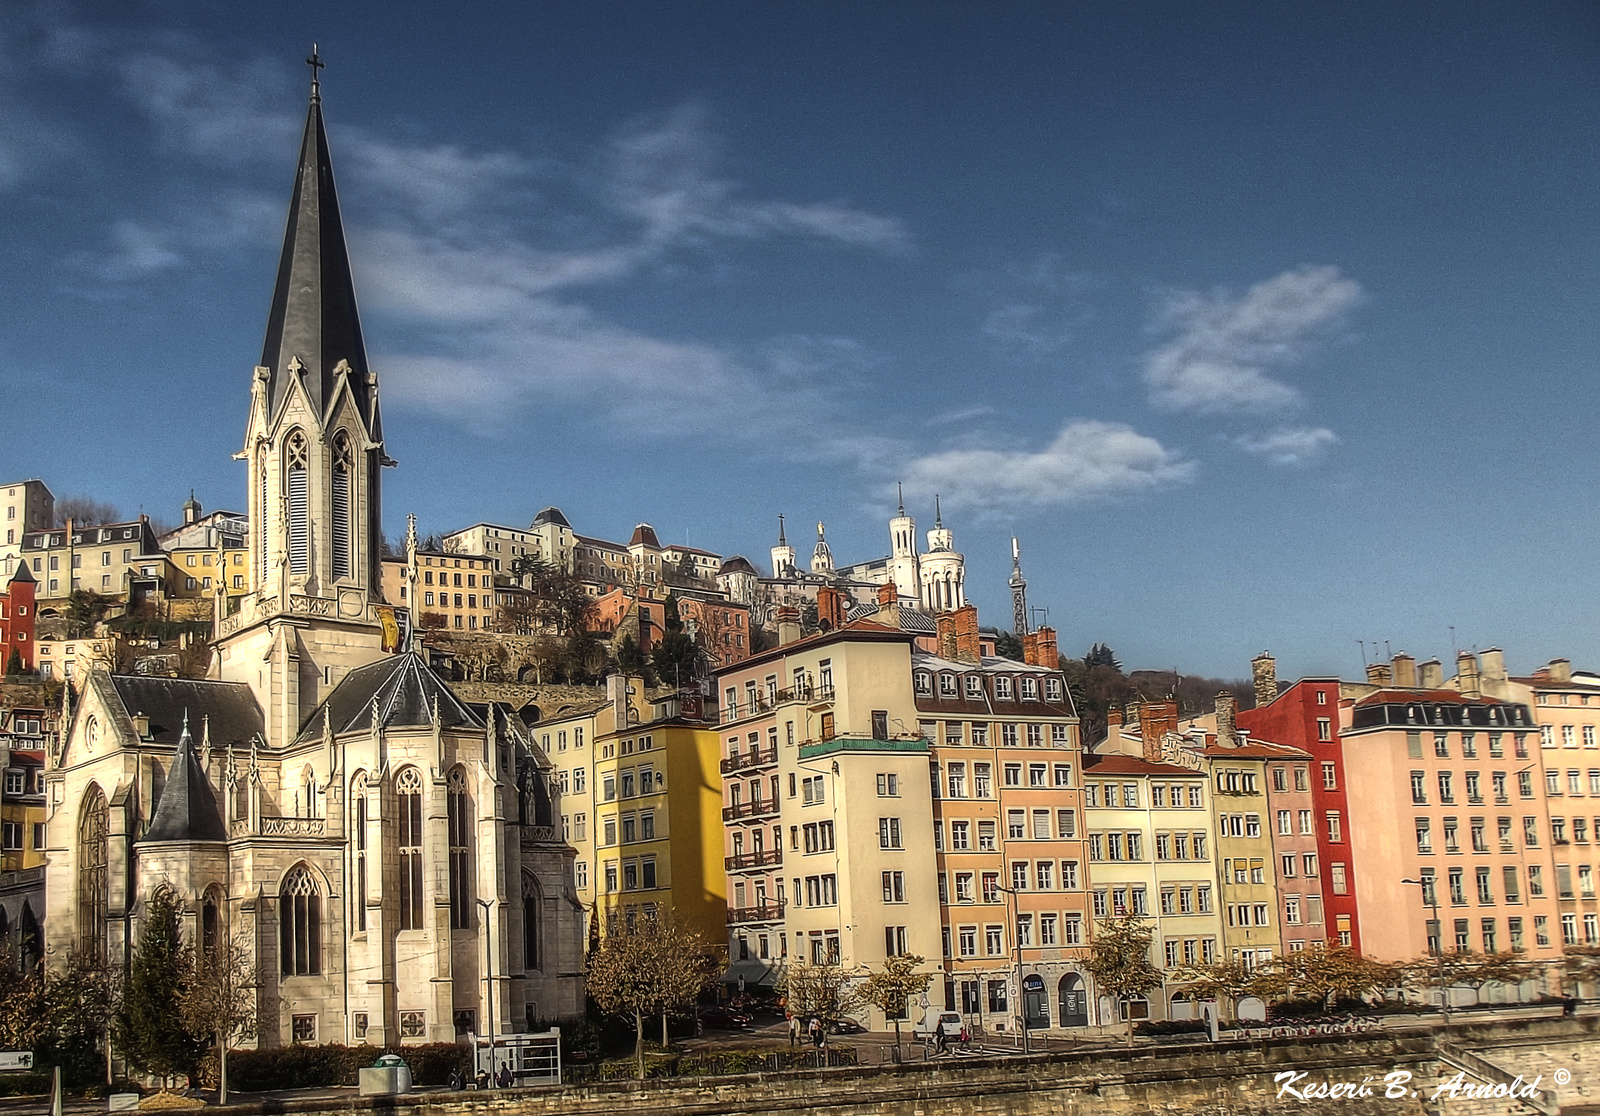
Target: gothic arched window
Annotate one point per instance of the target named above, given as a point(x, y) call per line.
point(358, 803)
point(263, 518)
point(92, 876)
point(294, 465)
point(300, 924)
point(530, 922)
point(460, 813)
point(211, 922)
point(343, 465)
point(408, 788)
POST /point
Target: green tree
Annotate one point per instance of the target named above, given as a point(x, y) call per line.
point(1226, 981)
point(148, 1026)
point(1119, 960)
point(85, 610)
point(1466, 968)
point(14, 663)
point(61, 1017)
point(891, 988)
point(676, 658)
point(1334, 973)
point(1008, 645)
point(219, 1003)
point(630, 660)
point(1582, 965)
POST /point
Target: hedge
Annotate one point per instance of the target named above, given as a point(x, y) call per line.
point(307, 1067)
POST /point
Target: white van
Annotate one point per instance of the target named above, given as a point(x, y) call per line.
point(938, 1019)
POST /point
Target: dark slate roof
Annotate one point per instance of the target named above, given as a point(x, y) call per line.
point(551, 515)
point(313, 314)
point(405, 690)
point(737, 564)
point(23, 573)
point(227, 709)
point(645, 535)
point(911, 619)
point(187, 809)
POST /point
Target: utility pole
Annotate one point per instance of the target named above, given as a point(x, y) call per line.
point(1430, 897)
point(488, 976)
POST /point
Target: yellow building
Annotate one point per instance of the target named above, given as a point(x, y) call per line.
point(1245, 852)
point(454, 591)
point(640, 798)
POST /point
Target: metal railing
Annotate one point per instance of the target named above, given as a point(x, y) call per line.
point(756, 757)
point(758, 809)
point(745, 861)
point(766, 912)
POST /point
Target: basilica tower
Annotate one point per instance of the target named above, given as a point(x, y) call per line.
point(904, 569)
point(314, 448)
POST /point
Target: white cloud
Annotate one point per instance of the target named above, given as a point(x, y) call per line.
point(1224, 347)
point(1289, 445)
point(1038, 305)
point(1087, 460)
point(139, 249)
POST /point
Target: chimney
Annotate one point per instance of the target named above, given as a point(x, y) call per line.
point(1114, 719)
point(1156, 719)
point(830, 608)
point(617, 695)
point(788, 625)
point(967, 634)
point(1560, 670)
point(946, 622)
point(887, 595)
point(888, 613)
point(1405, 671)
point(1467, 673)
point(1039, 648)
point(1380, 674)
point(1227, 733)
point(1264, 673)
point(1430, 675)
point(1492, 665)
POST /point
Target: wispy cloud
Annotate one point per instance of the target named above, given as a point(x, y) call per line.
point(1038, 306)
point(139, 249)
point(1289, 445)
point(1087, 460)
point(1224, 348)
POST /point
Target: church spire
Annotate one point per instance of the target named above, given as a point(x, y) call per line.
point(1019, 591)
point(313, 330)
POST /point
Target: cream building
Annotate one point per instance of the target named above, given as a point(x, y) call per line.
point(24, 506)
point(385, 853)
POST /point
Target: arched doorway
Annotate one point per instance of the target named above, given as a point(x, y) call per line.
point(1035, 1002)
point(1073, 1001)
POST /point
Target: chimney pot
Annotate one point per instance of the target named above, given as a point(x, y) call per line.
point(1405, 671)
point(1430, 675)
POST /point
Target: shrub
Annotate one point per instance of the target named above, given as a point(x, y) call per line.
point(1170, 1027)
point(306, 1067)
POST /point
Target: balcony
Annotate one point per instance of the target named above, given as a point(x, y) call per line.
point(745, 861)
point(756, 757)
point(766, 912)
point(741, 810)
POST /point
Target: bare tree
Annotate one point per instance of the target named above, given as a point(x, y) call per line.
point(220, 1001)
point(85, 511)
point(649, 968)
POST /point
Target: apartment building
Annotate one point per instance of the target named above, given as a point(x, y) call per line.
point(640, 794)
point(827, 804)
point(455, 591)
point(17, 621)
point(1008, 832)
point(1152, 846)
point(114, 559)
point(25, 506)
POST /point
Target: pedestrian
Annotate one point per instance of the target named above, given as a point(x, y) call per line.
point(816, 1033)
point(794, 1028)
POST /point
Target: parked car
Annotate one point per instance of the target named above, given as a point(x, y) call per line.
point(846, 1027)
point(725, 1018)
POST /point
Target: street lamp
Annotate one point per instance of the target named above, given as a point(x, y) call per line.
point(488, 976)
point(1016, 938)
point(1430, 897)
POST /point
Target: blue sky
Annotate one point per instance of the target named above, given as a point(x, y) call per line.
point(1261, 325)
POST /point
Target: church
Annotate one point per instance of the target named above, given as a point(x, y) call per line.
point(386, 853)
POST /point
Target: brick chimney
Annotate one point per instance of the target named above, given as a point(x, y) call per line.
point(1039, 649)
point(1264, 674)
point(1114, 719)
point(1156, 719)
point(788, 624)
point(1227, 732)
point(967, 634)
point(1405, 671)
point(1467, 673)
point(888, 613)
point(830, 608)
point(1430, 675)
point(947, 635)
point(1380, 674)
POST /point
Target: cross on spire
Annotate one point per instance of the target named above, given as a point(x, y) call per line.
point(316, 63)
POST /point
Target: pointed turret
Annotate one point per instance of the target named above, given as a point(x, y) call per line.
point(313, 330)
point(187, 809)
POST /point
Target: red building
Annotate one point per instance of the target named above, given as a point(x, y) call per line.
point(1305, 715)
point(17, 618)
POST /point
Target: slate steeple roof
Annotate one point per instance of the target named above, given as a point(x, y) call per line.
point(313, 325)
point(187, 809)
point(403, 690)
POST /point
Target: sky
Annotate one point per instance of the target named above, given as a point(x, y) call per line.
point(1260, 325)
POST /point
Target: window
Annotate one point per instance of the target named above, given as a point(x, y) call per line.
point(981, 781)
point(957, 773)
point(967, 941)
point(1334, 830)
point(894, 887)
point(960, 836)
point(994, 946)
point(986, 836)
point(1036, 774)
point(889, 833)
point(1337, 879)
point(459, 825)
point(1013, 774)
point(300, 924)
point(888, 785)
point(408, 788)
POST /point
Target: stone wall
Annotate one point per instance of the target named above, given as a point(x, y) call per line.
point(1232, 1078)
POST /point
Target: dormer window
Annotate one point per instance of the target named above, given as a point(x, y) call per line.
point(948, 687)
point(1052, 689)
point(975, 687)
point(1030, 689)
point(1002, 687)
point(924, 683)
